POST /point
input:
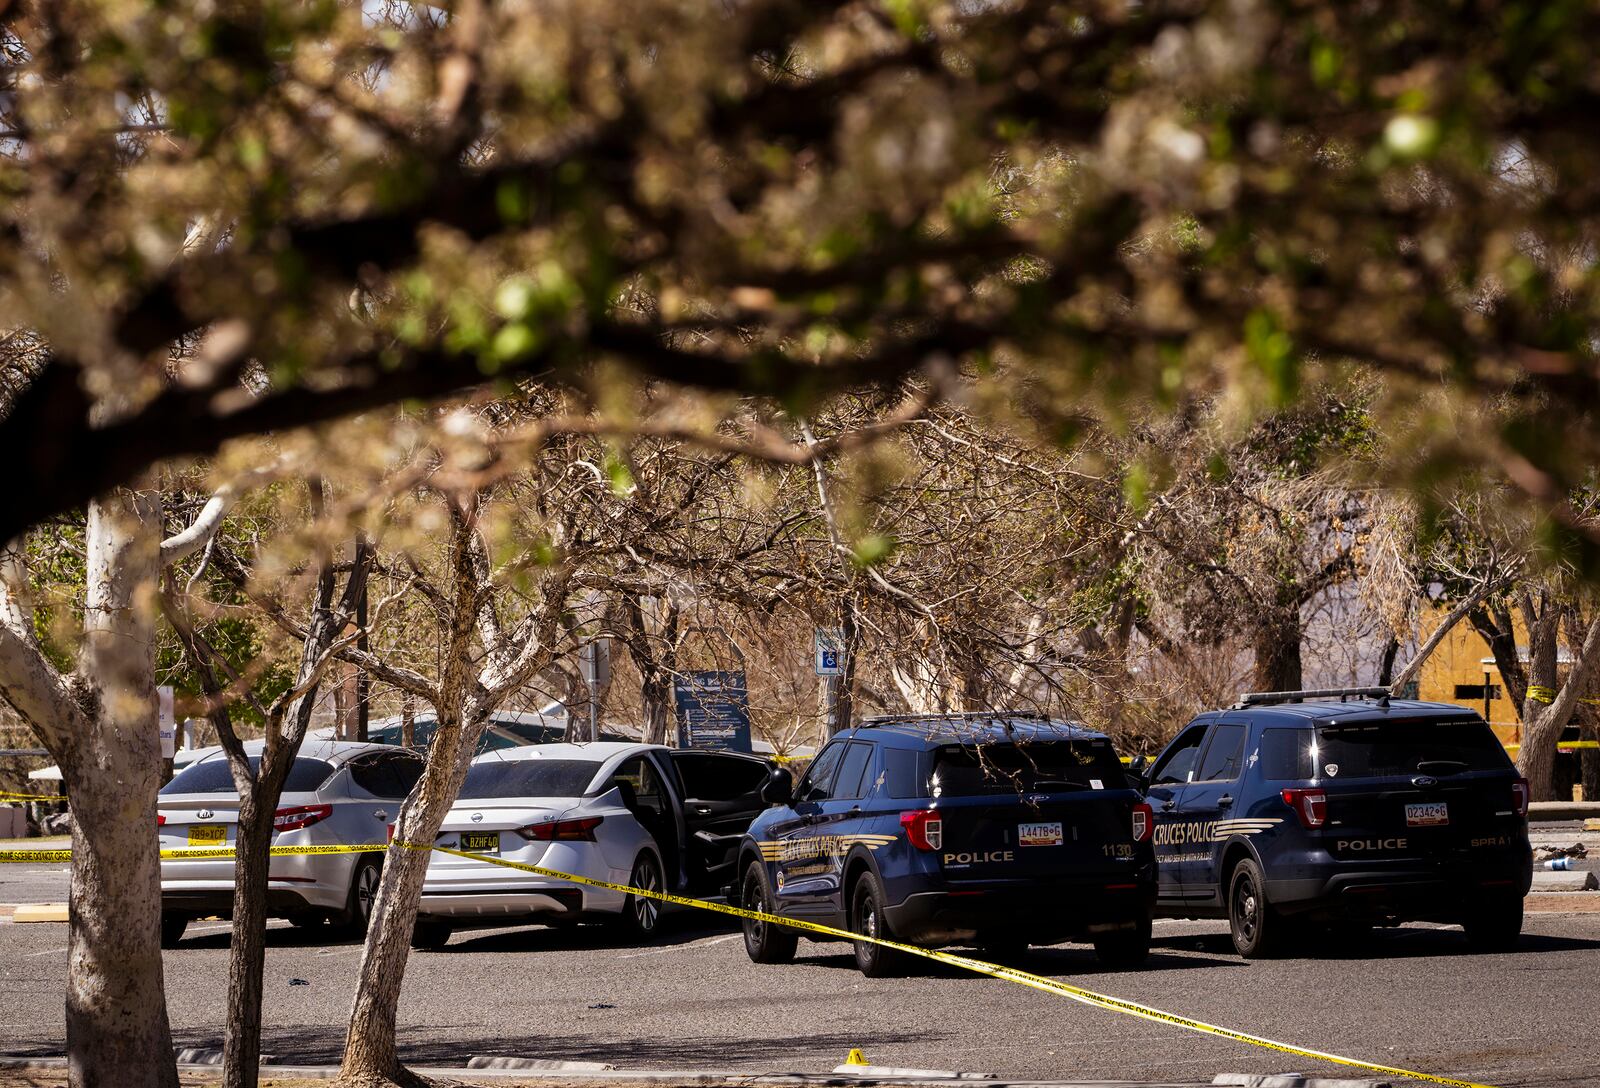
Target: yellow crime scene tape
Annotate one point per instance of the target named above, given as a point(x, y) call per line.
point(993, 970)
point(28, 797)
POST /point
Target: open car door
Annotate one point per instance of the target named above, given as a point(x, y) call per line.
point(722, 795)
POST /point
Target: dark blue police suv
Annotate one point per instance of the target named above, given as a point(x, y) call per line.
point(1288, 815)
point(997, 829)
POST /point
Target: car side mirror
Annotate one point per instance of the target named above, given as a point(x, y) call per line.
point(779, 787)
point(1139, 772)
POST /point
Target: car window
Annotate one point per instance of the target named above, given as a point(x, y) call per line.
point(640, 776)
point(1223, 755)
point(1177, 763)
point(818, 782)
point(1038, 767)
point(387, 774)
point(1415, 746)
point(529, 778)
point(1286, 755)
point(853, 771)
point(900, 778)
point(708, 776)
point(212, 776)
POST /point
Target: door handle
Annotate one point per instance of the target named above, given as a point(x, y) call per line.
point(1168, 806)
point(1224, 801)
point(379, 814)
point(855, 810)
point(702, 810)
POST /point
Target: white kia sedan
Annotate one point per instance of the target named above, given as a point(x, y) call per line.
point(637, 814)
point(337, 793)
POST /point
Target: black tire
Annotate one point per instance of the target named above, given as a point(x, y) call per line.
point(1257, 929)
point(431, 934)
point(1127, 947)
point(641, 915)
point(764, 942)
point(173, 923)
point(866, 917)
point(1495, 924)
point(364, 879)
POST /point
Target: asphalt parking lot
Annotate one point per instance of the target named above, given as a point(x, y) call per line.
point(1414, 998)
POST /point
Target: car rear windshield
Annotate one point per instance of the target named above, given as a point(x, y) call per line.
point(1376, 749)
point(212, 776)
point(1052, 766)
point(529, 778)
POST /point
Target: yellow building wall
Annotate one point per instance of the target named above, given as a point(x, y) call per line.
point(1459, 662)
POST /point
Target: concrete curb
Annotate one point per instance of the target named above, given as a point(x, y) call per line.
point(1543, 812)
point(732, 1078)
point(39, 912)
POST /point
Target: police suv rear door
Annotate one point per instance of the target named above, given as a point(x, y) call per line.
point(1032, 810)
point(1416, 788)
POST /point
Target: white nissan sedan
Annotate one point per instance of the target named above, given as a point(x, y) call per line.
point(637, 814)
point(338, 793)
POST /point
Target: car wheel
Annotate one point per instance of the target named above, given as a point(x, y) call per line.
point(1495, 924)
point(1126, 947)
point(431, 934)
point(764, 942)
point(363, 893)
point(172, 926)
point(641, 915)
point(1255, 926)
point(867, 918)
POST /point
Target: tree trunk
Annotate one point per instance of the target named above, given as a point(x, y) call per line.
point(369, 1056)
point(1536, 759)
point(241, 1041)
point(1277, 645)
point(838, 692)
point(117, 1029)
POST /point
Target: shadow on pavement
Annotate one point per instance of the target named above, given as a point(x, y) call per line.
point(1379, 944)
point(1048, 961)
point(810, 1052)
point(675, 930)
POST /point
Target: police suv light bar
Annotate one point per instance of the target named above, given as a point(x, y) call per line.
point(1266, 698)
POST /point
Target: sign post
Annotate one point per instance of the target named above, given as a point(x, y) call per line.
point(828, 650)
point(169, 722)
point(713, 710)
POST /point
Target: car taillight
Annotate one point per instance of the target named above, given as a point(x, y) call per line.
point(161, 820)
point(562, 830)
point(1519, 797)
point(293, 819)
point(1310, 805)
point(1144, 822)
point(924, 827)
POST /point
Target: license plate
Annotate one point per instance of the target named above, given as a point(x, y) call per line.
point(1039, 834)
point(1428, 814)
point(207, 834)
point(481, 842)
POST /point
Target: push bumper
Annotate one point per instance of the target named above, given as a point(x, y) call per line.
point(1040, 913)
